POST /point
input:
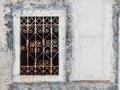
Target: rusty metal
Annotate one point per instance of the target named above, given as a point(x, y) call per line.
point(39, 45)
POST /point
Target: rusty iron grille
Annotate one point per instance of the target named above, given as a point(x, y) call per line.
point(39, 52)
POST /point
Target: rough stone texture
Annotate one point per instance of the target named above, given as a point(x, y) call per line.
point(6, 49)
point(117, 1)
point(5, 53)
point(115, 44)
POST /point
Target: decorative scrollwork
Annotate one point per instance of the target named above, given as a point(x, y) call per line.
point(39, 30)
point(31, 29)
point(55, 41)
point(24, 29)
point(39, 45)
point(55, 49)
point(47, 30)
point(48, 42)
point(32, 50)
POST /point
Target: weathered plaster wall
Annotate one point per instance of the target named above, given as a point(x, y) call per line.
point(7, 54)
point(92, 40)
point(117, 1)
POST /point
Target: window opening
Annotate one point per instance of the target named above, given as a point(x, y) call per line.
point(39, 45)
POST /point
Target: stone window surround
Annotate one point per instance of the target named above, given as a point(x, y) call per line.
point(16, 30)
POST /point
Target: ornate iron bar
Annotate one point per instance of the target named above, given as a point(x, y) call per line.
point(39, 47)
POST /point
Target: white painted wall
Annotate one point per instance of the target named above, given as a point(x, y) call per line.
point(92, 40)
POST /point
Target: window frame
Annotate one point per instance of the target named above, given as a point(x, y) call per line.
point(16, 42)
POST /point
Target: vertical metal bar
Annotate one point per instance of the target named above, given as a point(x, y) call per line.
point(35, 44)
point(43, 47)
point(27, 43)
point(51, 47)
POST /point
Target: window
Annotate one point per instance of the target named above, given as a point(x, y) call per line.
point(39, 45)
